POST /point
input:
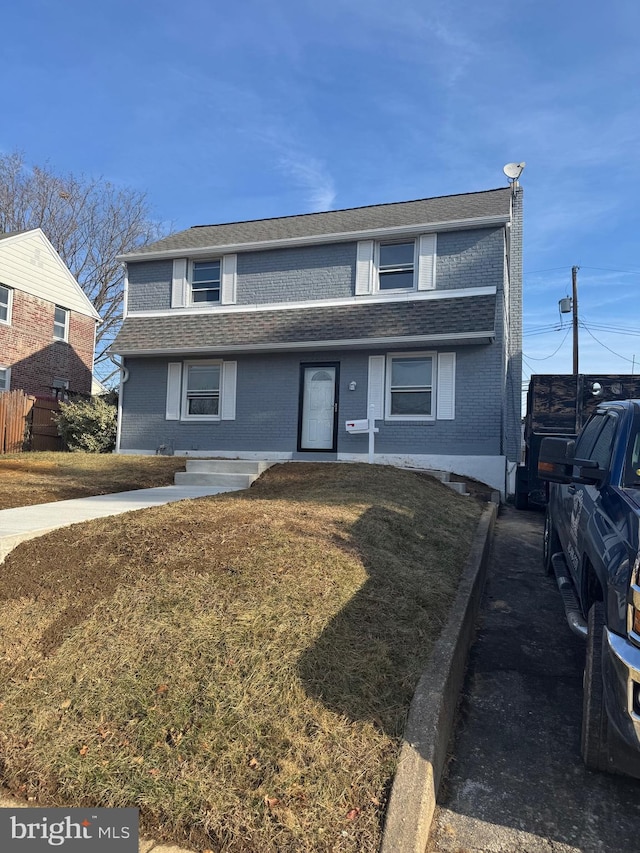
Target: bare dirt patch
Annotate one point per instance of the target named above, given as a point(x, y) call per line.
point(238, 667)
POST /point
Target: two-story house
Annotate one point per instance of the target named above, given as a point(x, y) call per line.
point(259, 340)
point(47, 323)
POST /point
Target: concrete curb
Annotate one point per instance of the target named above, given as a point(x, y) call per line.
point(431, 715)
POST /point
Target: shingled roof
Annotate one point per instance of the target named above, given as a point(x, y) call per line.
point(451, 208)
point(446, 320)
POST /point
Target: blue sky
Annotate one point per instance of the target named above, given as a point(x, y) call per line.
point(225, 111)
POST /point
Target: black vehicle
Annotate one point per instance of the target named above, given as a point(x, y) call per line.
point(592, 543)
point(559, 404)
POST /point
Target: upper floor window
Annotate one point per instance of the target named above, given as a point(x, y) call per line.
point(5, 378)
point(410, 386)
point(205, 282)
point(6, 295)
point(394, 267)
point(396, 262)
point(61, 324)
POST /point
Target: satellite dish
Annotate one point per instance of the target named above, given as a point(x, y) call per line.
point(513, 170)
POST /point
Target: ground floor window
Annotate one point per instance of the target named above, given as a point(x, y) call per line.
point(201, 390)
point(410, 386)
point(5, 378)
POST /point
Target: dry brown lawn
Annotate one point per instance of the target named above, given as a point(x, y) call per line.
point(238, 667)
point(36, 478)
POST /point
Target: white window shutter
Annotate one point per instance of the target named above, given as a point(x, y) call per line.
point(364, 267)
point(375, 391)
point(174, 374)
point(446, 390)
point(179, 283)
point(228, 396)
point(229, 274)
point(427, 262)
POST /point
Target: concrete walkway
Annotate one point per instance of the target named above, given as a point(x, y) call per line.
point(27, 522)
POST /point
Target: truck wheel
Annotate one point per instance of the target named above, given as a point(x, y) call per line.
point(595, 734)
point(550, 543)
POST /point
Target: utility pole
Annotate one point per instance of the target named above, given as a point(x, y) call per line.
point(574, 283)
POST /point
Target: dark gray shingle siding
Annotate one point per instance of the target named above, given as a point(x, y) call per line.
point(306, 325)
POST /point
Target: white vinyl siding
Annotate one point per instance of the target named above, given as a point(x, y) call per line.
point(29, 263)
point(6, 301)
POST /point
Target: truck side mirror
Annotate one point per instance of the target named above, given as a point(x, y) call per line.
point(555, 462)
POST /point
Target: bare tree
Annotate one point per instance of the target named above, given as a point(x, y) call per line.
point(90, 222)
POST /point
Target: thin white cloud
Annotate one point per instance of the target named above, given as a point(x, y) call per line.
point(310, 174)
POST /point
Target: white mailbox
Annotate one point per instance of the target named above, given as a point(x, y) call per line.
point(357, 426)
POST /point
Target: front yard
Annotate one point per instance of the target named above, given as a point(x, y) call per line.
point(238, 667)
point(36, 478)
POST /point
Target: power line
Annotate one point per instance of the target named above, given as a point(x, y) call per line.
point(613, 352)
point(534, 358)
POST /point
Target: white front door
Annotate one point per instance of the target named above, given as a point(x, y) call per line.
point(318, 405)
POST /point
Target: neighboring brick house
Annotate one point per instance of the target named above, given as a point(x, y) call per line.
point(47, 323)
point(262, 339)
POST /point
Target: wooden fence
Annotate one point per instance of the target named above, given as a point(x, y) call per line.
point(26, 423)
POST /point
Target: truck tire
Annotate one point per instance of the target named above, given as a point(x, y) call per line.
point(550, 543)
point(595, 729)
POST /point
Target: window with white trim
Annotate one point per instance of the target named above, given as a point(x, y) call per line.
point(410, 386)
point(205, 282)
point(396, 266)
point(201, 390)
point(5, 378)
point(6, 300)
point(61, 323)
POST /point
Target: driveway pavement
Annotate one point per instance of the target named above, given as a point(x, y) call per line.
point(516, 781)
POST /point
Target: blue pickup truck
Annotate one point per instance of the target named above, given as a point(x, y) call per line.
point(591, 543)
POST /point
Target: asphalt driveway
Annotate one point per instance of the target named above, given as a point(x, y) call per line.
point(516, 781)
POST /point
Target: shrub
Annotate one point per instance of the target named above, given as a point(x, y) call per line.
point(88, 425)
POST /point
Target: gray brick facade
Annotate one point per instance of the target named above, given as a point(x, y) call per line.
point(267, 401)
point(296, 275)
point(271, 344)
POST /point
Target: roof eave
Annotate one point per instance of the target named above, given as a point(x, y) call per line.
point(483, 337)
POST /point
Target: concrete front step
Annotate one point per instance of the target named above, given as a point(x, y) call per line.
point(230, 474)
point(445, 478)
point(226, 466)
point(223, 480)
